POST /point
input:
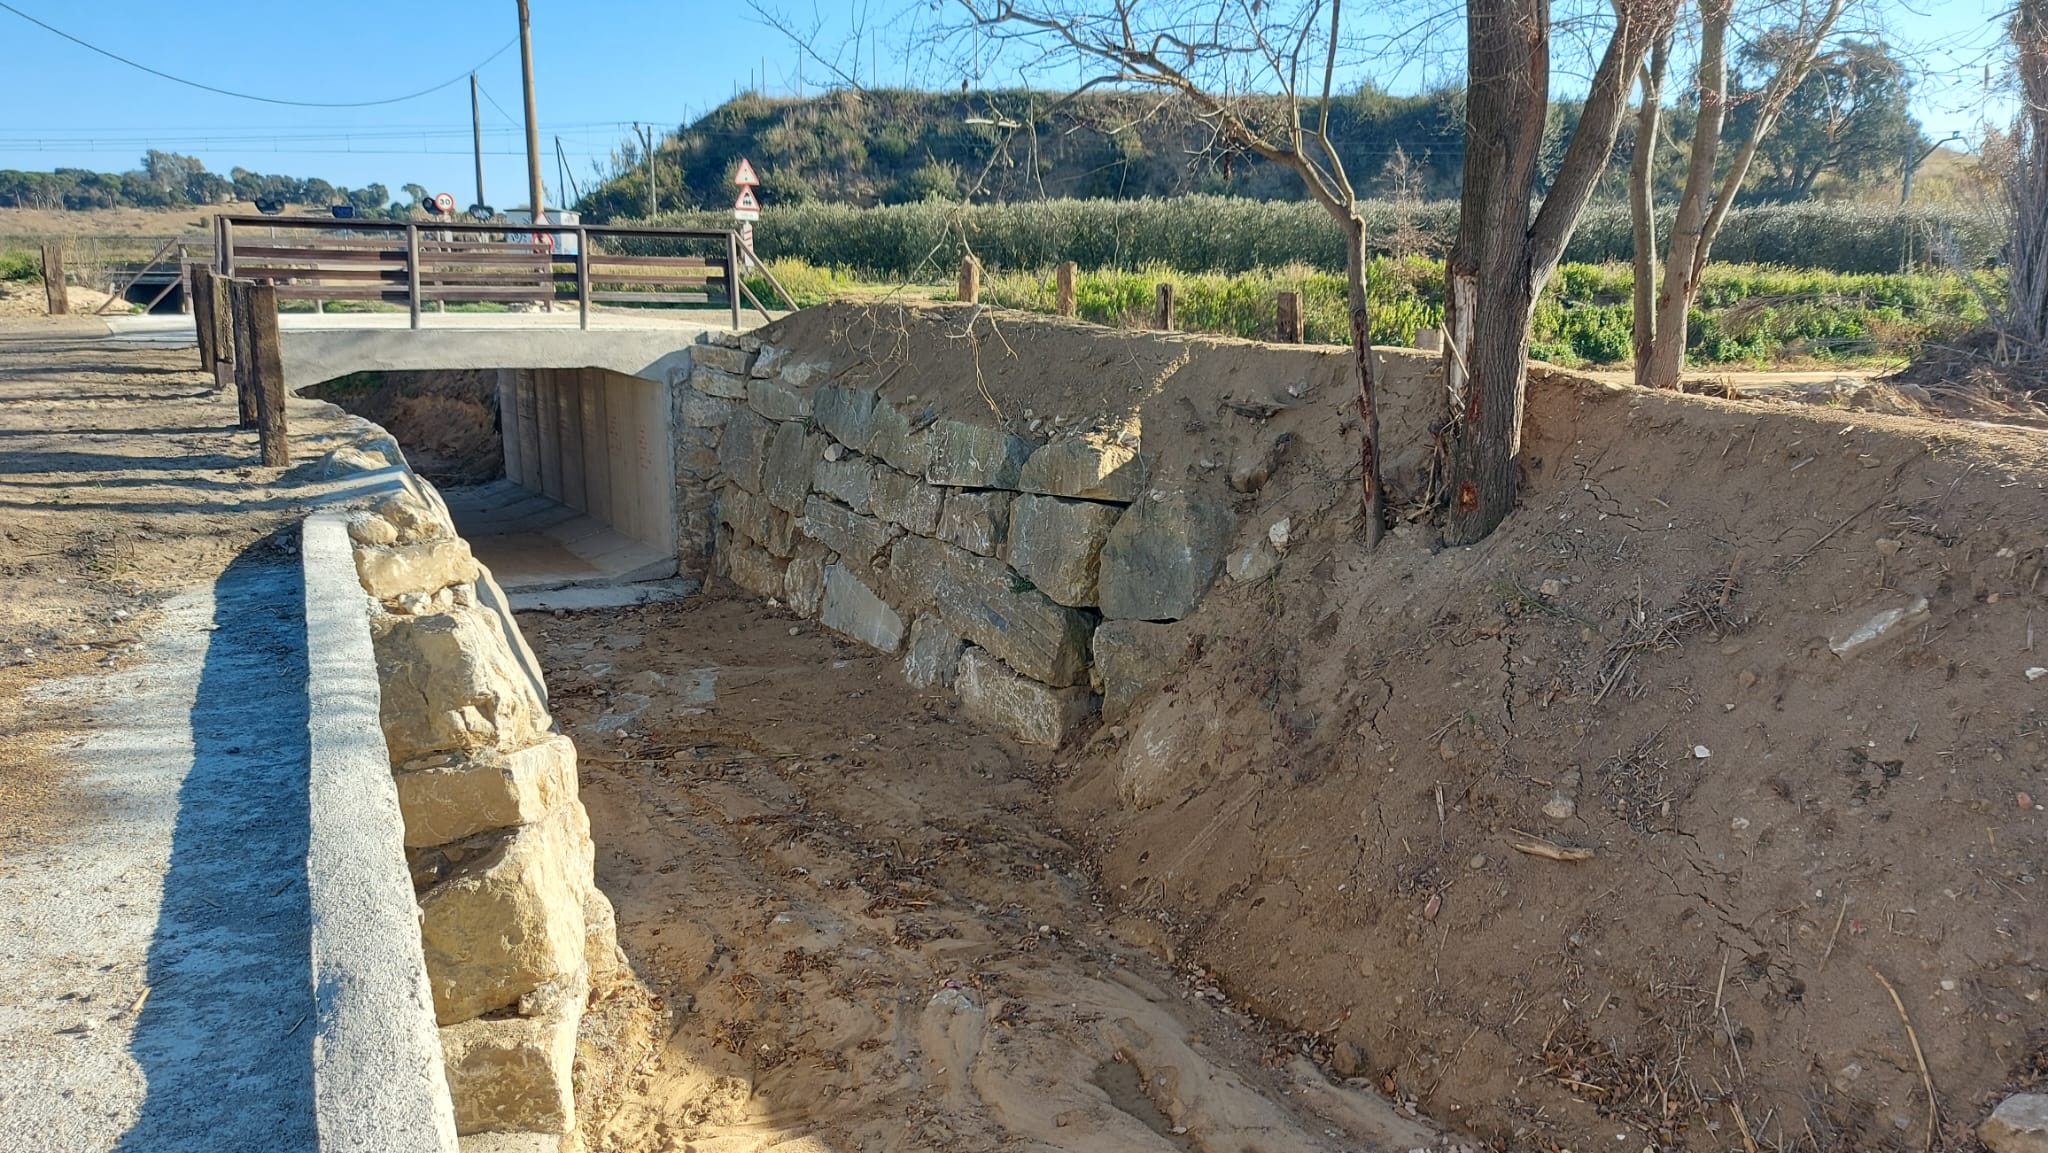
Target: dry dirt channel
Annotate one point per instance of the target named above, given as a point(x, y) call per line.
point(864, 929)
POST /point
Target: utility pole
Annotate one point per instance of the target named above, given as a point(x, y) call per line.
point(476, 129)
point(532, 119)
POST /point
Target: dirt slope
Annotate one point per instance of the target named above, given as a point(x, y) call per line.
point(1639, 664)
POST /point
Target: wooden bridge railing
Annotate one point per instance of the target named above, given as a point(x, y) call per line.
point(411, 263)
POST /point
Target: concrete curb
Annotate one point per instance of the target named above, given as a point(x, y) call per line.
point(378, 1082)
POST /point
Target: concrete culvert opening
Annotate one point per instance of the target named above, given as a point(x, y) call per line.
point(1604, 827)
point(552, 475)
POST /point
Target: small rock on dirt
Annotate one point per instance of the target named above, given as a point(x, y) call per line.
point(2018, 1125)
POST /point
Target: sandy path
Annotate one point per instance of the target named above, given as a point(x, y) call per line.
point(867, 931)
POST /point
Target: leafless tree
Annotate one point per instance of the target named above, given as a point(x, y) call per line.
point(1710, 187)
point(2025, 321)
point(1261, 74)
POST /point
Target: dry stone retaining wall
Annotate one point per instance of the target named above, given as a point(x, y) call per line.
point(1038, 576)
point(514, 930)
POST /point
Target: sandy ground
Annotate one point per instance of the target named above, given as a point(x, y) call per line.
point(152, 918)
point(866, 929)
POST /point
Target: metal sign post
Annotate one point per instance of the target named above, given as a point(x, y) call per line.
point(746, 208)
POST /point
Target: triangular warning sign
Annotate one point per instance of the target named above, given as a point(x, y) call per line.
point(746, 202)
point(745, 176)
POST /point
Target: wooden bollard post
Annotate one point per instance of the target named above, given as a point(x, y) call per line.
point(1290, 318)
point(201, 298)
point(1162, 316)
point(970, 280)
point(259, 371)
point(54, 293)
point(1063, 288)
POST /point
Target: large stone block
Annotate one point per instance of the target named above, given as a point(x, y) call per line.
point(423, 566)
point(449, 796)
point(750, 515)
point(850, 481)
point(1086, 468)
point(448, 681)
point(515, 1073)
point(848, 414)
point(713, 382)
point(1033, 713)
point(977, 520)
point(743, 450)
point(697, 410)
point(1056, 544)
point(803, 582)
point(1162, 554)
point(1134, 657)
point(721, 358)
point(985, 601)
point(773, 399)
point(933, 655)
point(899, 440)
point(754, 568)
point(507, 916)
point(907, 501)
point(968, 455)
point(786, 479)
point(859, 539)
point(852, 608)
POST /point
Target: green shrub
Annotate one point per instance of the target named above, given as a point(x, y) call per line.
point(1201, 234)
point(21, 266)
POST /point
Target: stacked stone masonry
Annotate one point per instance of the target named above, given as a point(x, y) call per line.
point(514, 929)
point(1034, 579)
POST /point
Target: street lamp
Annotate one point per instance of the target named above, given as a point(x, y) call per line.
point(1906, 173)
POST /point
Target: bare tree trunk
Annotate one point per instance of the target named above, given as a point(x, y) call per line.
point(2026, 184)
point(1642, 209)
point(1688, 227)
point(1374, 494)
point(1490, 279)
point(1699, 218)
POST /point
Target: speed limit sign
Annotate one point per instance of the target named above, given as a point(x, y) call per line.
point(444, 202)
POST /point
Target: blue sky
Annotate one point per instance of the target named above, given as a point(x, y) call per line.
point(600, 65)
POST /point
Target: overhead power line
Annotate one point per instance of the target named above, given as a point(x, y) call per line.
point(248, 96)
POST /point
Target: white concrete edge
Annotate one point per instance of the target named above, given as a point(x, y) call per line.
point(378, 1081)
point(315, 356)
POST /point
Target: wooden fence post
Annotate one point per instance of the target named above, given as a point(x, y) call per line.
point(1162, 317)
point(1290, 318)
point(54, 293)
point(259, 371)
point(221, 315)
point(970, 280)
point(200, 297)
point(1064, 278)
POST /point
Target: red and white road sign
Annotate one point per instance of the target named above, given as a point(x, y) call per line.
point(745, 177)
point(444, 202)
point(747, 235)
point(745, 207)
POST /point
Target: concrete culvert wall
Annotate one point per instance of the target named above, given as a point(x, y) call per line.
point(1736, 715)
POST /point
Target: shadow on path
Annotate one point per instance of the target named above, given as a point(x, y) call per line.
point(225, 1038)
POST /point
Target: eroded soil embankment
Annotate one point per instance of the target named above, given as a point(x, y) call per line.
point(866, 929)
point(1642, 665)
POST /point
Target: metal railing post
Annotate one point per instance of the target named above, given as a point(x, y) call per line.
point(412, 271)
point(583, 277)
point(732, 276)
point(225, 258)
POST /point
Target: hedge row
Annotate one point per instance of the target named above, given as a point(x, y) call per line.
point(1197, 234)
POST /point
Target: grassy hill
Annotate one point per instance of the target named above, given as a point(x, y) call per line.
point(891, 146)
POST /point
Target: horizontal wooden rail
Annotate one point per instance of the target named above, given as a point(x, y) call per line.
point(409, 262)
